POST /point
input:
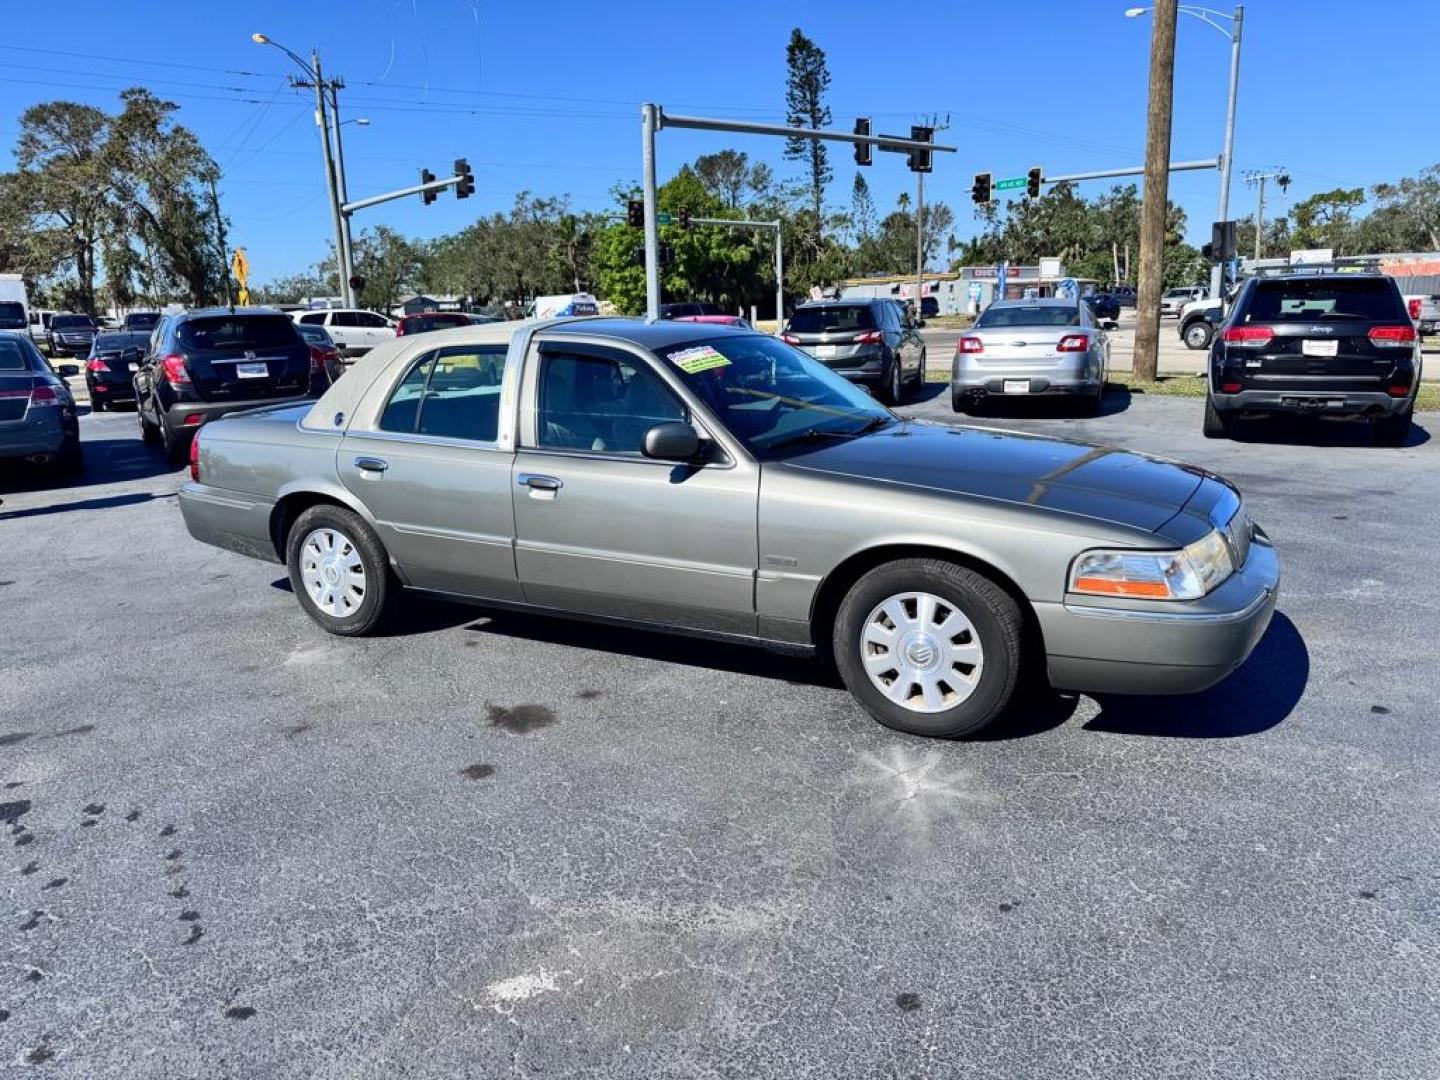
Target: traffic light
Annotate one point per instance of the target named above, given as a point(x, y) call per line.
point(635, 213)
point(466, 187)
point(864, 151)
point(920, 160)
point(980, 190)
point(1032, 182)
point(684, 219)
point(427, 177)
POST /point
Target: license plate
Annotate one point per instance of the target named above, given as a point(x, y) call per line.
point(1017, 386)
point(252, 371)
point(825, 352)
point(1309, 347)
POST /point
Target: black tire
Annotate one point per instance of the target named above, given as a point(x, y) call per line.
point(71, 459)
point(96, 405)
point(958, 402)
point(1217, 425)
point(894, 389)
point(176, 444)
point(920, 374)
point(1393, 430)
point(997, 625)
point(379, 584)
point(149, 433)
point(1202, 333)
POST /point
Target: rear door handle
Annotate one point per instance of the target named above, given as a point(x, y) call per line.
point(539, 482)
point(371, 464)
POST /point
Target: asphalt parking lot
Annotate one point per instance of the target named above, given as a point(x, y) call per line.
point(491, 845)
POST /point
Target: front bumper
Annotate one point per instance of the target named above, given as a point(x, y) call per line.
point(1314, 402)
point(1165, 648)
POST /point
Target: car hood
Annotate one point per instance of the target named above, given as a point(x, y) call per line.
point(1103, 483)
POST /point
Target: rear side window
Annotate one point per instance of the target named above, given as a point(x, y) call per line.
point(452, 393)
point(238, 332)
point(814, 320)
point(13, 354)
point(1285, 299)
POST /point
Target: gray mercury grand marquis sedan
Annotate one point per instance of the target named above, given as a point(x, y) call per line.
point(714, 481)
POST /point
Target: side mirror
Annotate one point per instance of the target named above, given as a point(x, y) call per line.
point(671, 441)
point(68, 371)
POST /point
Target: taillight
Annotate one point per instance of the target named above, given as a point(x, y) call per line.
point(317, 360)
point(43, 396)
point(1398, 390)
point(195, 458)
point(1392, 337)
point(1231, 388)
point(96, 364)
point(970, 345)
point(1414, 306)
point(870, 337)
point(1073, 343)
point(174, 368)
point(1247, 337)
point(399, 329)
point(790, 339)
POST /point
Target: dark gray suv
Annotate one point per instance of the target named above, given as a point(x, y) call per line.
point(874, 342)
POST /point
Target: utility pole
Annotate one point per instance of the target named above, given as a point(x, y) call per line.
point(347, 250)
point(224, 251)
point(1257, 179)
point(331, 184)
point(1157, 189)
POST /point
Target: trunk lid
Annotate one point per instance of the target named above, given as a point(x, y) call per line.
point(1024, 346)
point(245, 357)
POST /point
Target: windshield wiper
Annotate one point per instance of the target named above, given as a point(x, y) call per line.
point(813, 434)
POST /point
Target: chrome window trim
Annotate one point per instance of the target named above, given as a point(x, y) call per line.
point(426, 440)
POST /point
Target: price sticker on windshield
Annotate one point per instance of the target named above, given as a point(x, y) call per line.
point(698, 359)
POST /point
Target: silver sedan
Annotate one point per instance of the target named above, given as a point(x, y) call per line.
point(1020, 348)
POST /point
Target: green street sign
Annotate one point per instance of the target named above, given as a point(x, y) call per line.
point(1011, 184)
point(662, 218)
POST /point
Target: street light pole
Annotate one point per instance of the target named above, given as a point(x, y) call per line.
point(347, 255)
point(317, 80)
point(1217, 272)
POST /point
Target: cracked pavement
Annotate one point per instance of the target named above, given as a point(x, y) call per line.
point(494, 845)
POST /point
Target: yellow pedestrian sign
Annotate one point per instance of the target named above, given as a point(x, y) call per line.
point(240, 267)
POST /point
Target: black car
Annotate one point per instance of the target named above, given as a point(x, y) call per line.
point(109, 369)
point(204, 364)
point(71, 335)
point(874, 342)
point(1124, 295)
point(690, 308)
point(1316, 344)
point(1105, 307)
point(141, 321)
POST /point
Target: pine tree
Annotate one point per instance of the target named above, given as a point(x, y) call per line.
point(805, 88)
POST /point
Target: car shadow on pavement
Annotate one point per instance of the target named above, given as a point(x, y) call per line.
point(1302, 431)
point(653, 645)
point(1020, 407)
point(107, 461)
point(1255, 698)
point(81, 504)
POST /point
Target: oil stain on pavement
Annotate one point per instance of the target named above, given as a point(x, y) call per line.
point(519, 719)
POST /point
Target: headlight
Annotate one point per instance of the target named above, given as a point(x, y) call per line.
point(1187, 574)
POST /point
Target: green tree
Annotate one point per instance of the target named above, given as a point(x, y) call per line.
point(1326, 219)
point(728, 175)
point(390, 265)
point(1414, 201)
point(807, 80)
point(862, 211)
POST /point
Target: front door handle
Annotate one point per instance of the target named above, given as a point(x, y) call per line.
point(371, 464)
point(540, 482)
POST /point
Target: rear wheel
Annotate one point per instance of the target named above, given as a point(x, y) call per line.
point(920, 374)
point(1198, 334)
point(71, 459)
point(929, 647)
point(1217, 425)
point(149, 433)
point(176, 444)
point(339, 570)
point(895, 385)
point(1393, 430)
point(96, 404)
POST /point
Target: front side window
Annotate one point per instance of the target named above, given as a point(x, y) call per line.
point(452, 393)
point(370, 320)
point(344, 318)
point(599, 403)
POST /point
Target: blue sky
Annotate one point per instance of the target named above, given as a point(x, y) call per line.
point(545, 96)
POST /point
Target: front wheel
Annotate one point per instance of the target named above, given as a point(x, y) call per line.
point(339, 570)
point(929, 647)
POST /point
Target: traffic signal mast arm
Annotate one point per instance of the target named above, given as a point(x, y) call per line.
point(417, 189)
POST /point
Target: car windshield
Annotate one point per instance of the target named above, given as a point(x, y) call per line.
point(310, 332)
point(1319, 298)
point(113, 342)
point(237, 332)
point(72, 322)
point(1175, 294)
point(141, 320)
point(815, 320)
point(769, 395)
point(1029, 315)
point(12, 315)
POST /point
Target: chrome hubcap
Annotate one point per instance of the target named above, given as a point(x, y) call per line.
point(332, 572)
point(921, 652)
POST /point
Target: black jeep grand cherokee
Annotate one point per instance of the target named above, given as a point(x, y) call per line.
point(1328, 344)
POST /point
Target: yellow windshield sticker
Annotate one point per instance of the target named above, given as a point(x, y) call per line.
point(700, 358)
